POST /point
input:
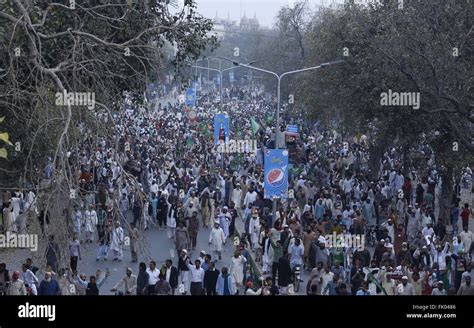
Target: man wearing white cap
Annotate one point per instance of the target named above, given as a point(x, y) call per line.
point(388, 283)
point(250, 197)
point(217, 239)
point(129, 281)
point(154, 187)
point(237, 199)
point(405, 288)
point(192, 203)
point(439, 290)
point(379, 251)
point(254, 230)
point(391, 229)
point(189, 208)
point(236, 270)
point(90, 222)
point(202, 256)
point(224, 219)
point(116, 245)
point(438, 254)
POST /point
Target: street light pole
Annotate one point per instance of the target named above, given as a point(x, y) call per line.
point(220, 84)
point(208, 66)
point(279, 77)
point(220, 71)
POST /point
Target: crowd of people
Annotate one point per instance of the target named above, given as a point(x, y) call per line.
point(348, 232)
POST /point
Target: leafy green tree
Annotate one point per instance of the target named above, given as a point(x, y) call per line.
point(424, 48)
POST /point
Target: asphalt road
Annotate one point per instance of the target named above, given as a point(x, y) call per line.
point(159, 246)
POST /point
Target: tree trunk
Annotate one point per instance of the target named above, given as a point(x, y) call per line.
point(406, 162)
point(446, 195)
point(376, 151)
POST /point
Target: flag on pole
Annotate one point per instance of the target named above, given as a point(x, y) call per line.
point(204, 129)
point(254, 271)
point(190, 141)
point(255, 126)
point(371, 278)
point(268, 119)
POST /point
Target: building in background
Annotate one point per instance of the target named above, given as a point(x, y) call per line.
point(226, 25)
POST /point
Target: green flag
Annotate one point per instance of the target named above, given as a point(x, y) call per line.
point(255, 272)
point(377, 283)
point(204, 128)
point(255, 126)
point(268, 119)
point(189, 141)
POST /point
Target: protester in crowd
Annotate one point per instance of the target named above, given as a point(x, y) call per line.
point(170, 274)
point(49, 286)
point(225, 283)
point(210, 279)
point(16, 286)
point(129, 283)
point(143, 279)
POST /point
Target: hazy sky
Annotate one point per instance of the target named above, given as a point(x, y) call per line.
point(266, 10)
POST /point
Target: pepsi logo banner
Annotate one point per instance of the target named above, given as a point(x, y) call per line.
point(276, 173)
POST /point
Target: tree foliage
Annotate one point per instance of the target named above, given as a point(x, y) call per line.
point(100, 47)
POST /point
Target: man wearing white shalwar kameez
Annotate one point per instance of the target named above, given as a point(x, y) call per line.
point(77, 221)
point(224, 220)
point(16, 202)
point(31, 202)
point(254, 230)
point(90, 222)
point(236, 270)
point(265, 258)
point(9, 219)
point(217, 239)
point(212, 206)
point(237, 199)
point(171, 222)
point(116, 245)
point(194, 200)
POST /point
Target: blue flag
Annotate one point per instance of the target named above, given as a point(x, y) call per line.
point(190, 97)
